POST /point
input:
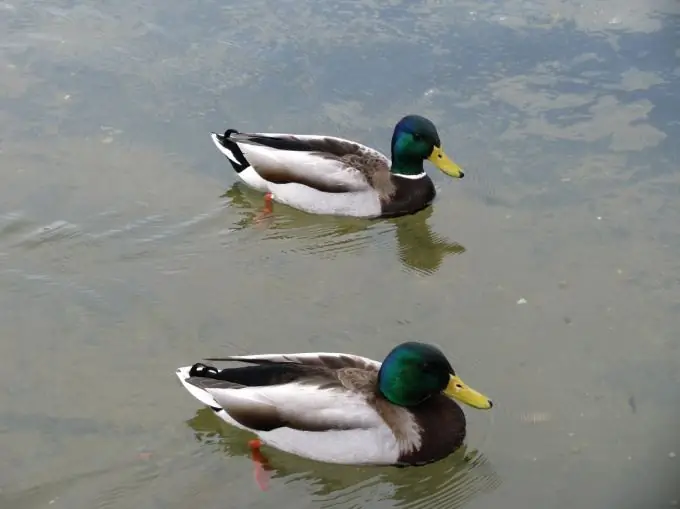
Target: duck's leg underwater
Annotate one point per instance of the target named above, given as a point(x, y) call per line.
point(268, 208)
point(268, 203)
point(261, 464)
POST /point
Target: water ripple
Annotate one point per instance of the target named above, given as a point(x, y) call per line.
point(418, 248)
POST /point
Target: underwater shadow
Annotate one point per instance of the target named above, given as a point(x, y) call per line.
point(449, 483)
point(419, 249)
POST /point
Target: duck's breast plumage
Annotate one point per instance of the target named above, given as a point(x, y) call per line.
point(442, 424)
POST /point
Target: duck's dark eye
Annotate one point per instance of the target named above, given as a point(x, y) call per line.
point(429, 367)
point(417, 137)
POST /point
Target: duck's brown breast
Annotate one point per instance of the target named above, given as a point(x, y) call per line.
point(409, 196)
point(442, 424)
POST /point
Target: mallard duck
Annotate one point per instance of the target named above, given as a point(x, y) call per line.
point(342, 408)
point(335, 176)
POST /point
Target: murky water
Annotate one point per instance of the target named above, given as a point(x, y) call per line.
point(550, 274)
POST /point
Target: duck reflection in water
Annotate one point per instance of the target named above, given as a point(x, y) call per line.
point(419, 248)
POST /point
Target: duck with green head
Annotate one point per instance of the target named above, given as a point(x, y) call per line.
point(343, 408)
point(334, 176)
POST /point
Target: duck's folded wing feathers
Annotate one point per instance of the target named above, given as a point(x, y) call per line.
point(326, 163)
point(332, 360)
point(302, 391)
point(264, 375)
point(298, 406)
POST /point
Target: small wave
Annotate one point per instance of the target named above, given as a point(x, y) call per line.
point(53, 232)
point(13, 223)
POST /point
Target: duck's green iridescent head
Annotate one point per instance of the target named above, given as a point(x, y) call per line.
point(415, 139)
point(413, 372)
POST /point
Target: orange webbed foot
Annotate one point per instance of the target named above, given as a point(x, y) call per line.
point(261, 465)
point(268, 209)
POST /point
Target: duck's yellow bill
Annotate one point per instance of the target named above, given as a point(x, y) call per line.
point(457, 390)
point(445, 165)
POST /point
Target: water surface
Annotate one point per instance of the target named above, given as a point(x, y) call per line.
point(549, 275)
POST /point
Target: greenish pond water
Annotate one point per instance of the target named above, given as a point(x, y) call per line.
point(550, 275)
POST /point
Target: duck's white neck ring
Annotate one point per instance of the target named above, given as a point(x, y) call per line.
point(410, 177)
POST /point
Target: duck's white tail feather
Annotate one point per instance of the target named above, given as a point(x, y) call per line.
point(200, 394)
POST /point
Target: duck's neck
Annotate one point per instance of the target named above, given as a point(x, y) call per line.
point(406, 166)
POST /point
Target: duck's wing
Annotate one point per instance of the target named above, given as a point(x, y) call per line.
point(305, 392)
point(331, 360)
point(325, 163)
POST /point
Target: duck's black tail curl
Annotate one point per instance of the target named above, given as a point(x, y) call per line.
point(231, 149)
